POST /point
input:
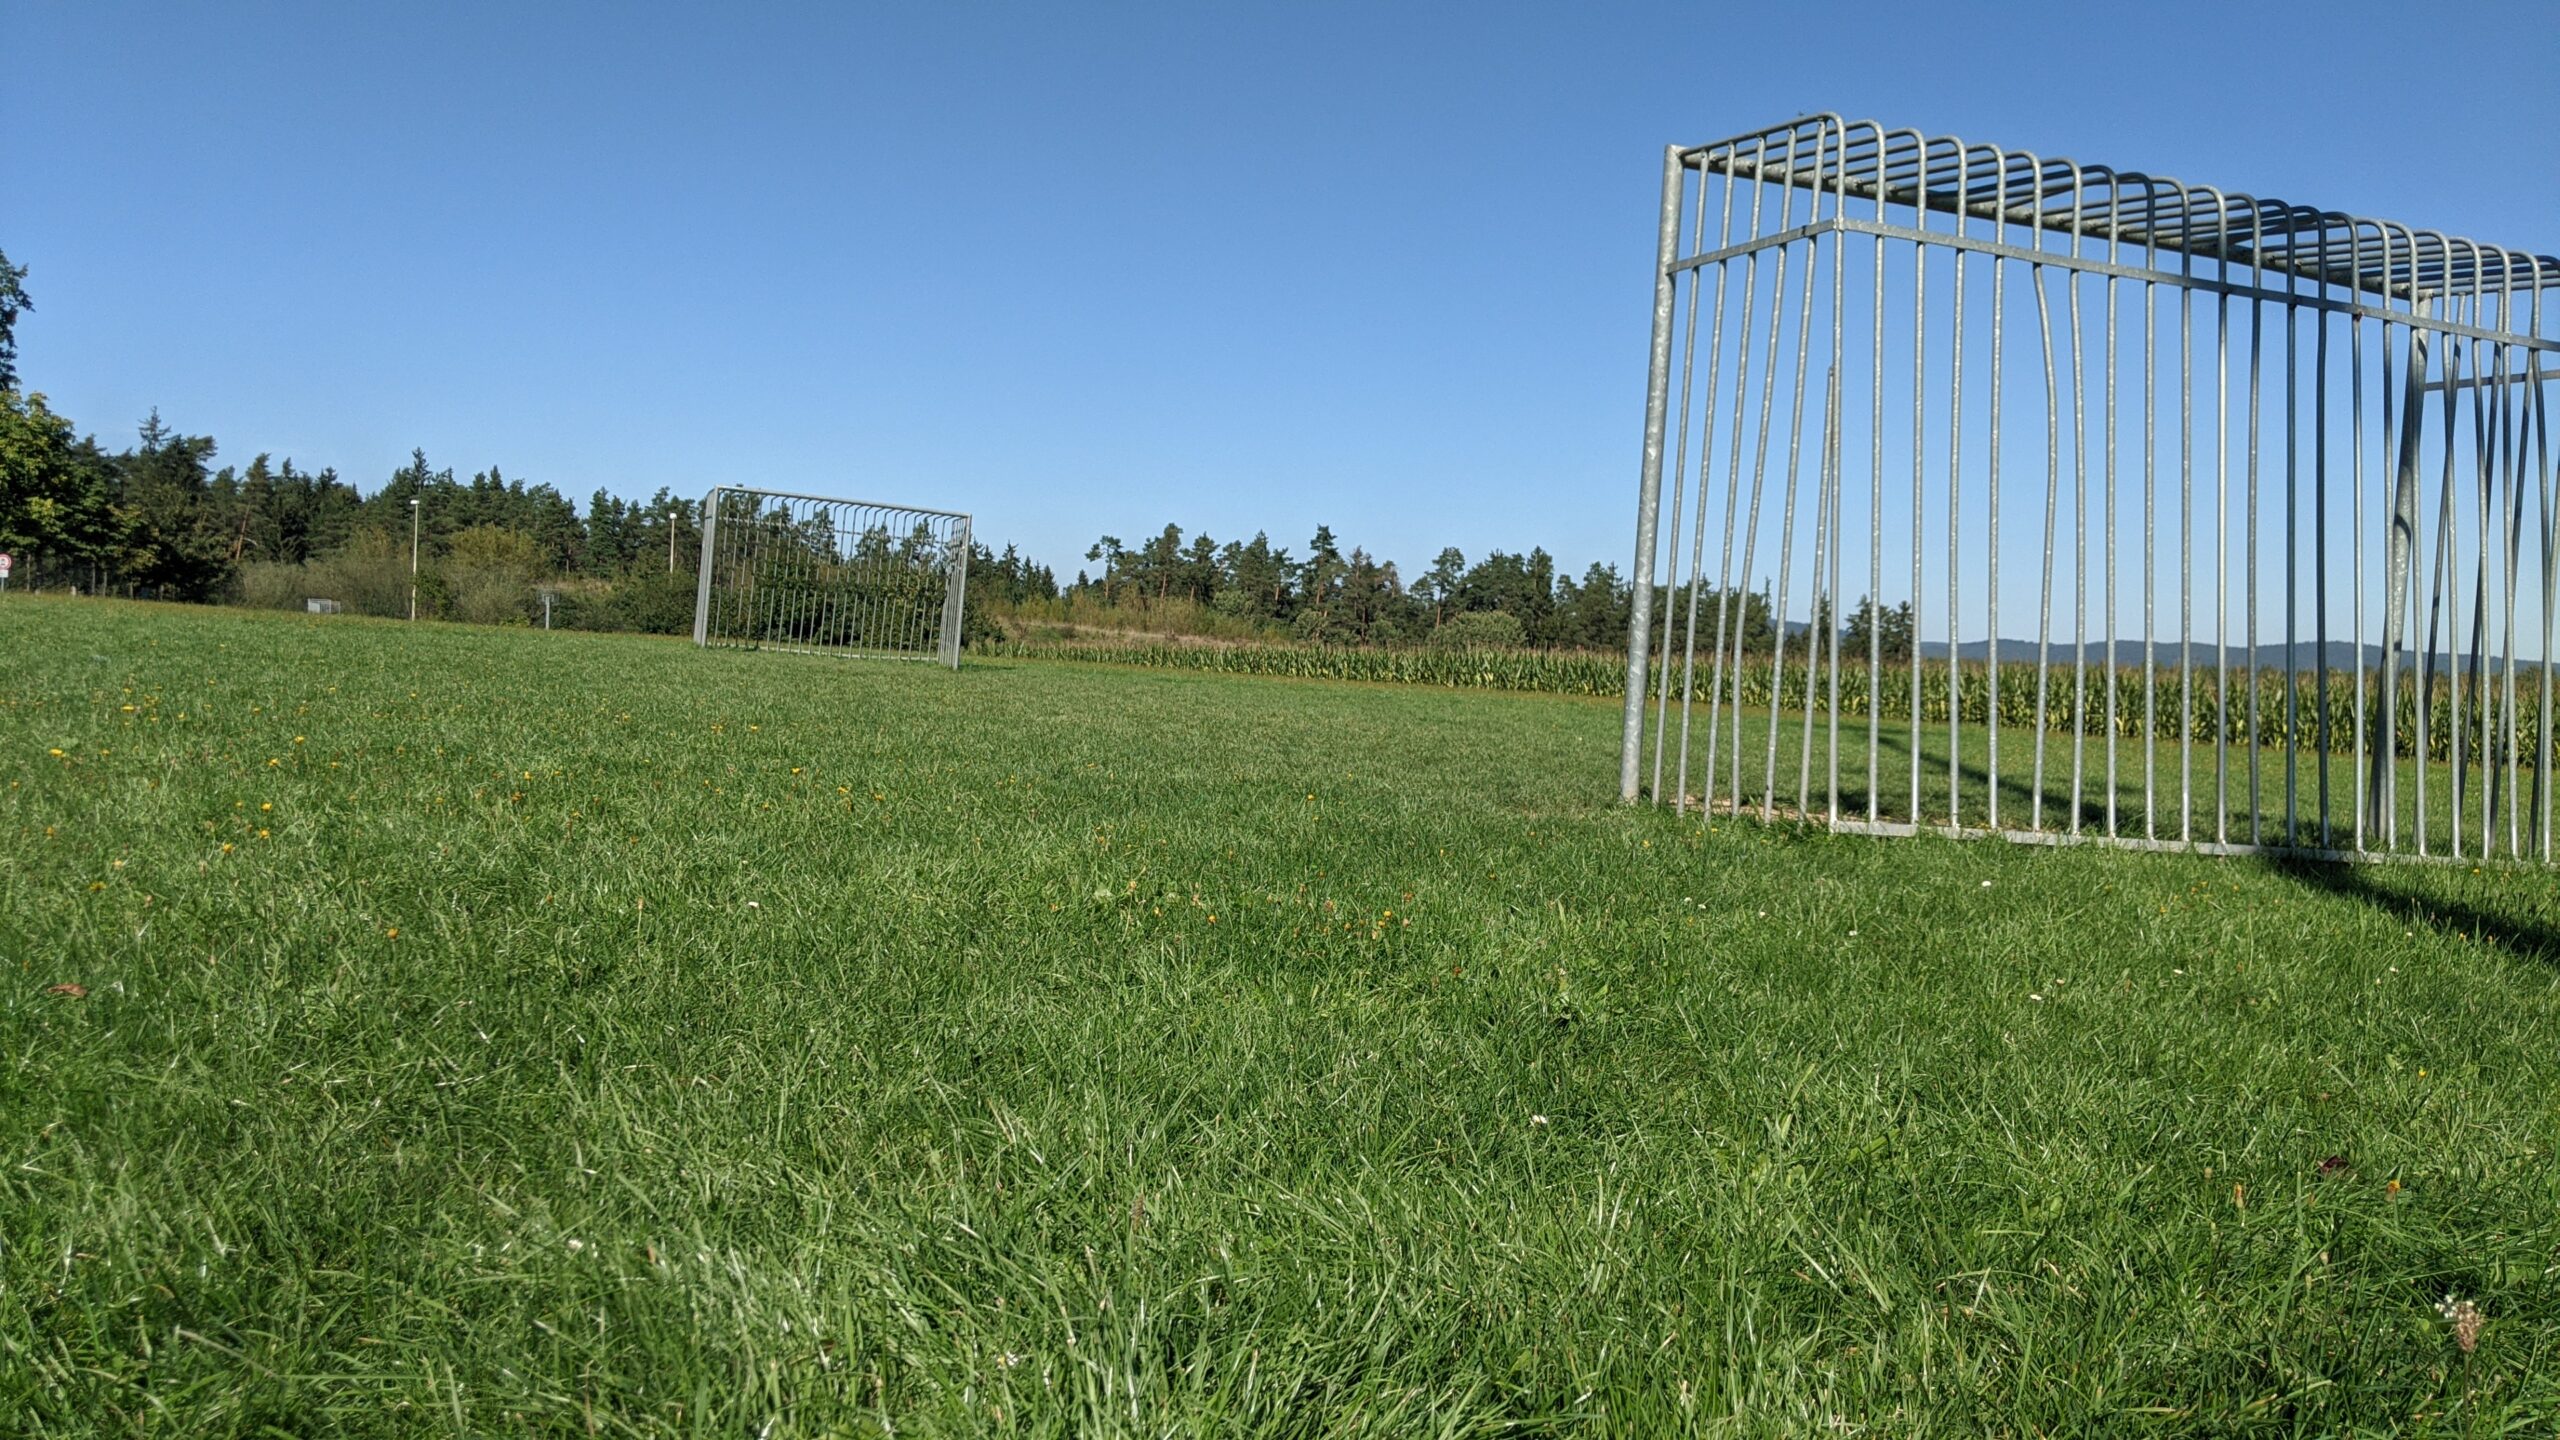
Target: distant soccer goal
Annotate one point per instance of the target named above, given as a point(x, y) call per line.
point(820, 575)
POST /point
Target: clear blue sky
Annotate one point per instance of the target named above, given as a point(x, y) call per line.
point(1074, 268)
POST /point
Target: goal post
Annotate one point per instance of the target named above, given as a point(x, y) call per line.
point(820, 574)
point(2281, 573)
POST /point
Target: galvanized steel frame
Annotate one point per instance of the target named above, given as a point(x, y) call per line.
point(820, 574)
point(2411, 331)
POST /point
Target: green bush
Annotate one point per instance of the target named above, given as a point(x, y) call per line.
point(651, 602)
point(1479, 630)
point(369, 576)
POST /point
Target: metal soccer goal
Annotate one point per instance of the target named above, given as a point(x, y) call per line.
point(782, 571)
point(2281, 560)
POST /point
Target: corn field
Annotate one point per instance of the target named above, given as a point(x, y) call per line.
point(2218, 706)
point(2233, 705)
point(1548, 672)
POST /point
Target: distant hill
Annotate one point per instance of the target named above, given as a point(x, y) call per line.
point(2165, 653)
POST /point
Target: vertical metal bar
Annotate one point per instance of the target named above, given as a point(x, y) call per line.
point(1814, 626)
point(1831, 635)
point(2248, 557)
point(1733, 486)
point(2186, 545)
point(2150, 520)
point(1649, 481)
point(768, 588)
point(1787, 521)
point(1919, 466)
point(2292, 549)
point(786, 559)
point(2402, 580)
point(955, 596)
point(891, 601)
point(1839, 481)
point(2320, 542)
point(2382, 779)
point(840, 609)
point(845, 590)
point(2484, 666)
point(762, 591)
point(1787, 532)
point(1679, 489)
point(2223, 526)
point(816, 548)
point(2497, 800)
point(1955, 527)
point(2052, 502)
point(1826, 616)
point(2446, 585)
point(2483, 678)
point(2512, 475)
point(2435, 613)
point(1759, 478)
point(883, 616)
point(744, 546)
point(2544, 750)
point(1875, 531)
point(2469, 655)
point(2355, 426)
point(741, 592)
point(897, 589)
point(754, 542)
point(2114, 668)
point(798, 554)
point(793, 623)
point(853, 588)
point(2079, 517)
point(1706, 466)
point(1997, 442)
point(2399, 587)
point(702, 582)
point(912, 594)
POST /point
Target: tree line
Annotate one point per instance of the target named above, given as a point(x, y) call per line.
point(1336, 596)
point(1333, 596)
point(157, 520)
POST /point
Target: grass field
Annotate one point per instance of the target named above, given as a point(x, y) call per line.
point(494, 1032)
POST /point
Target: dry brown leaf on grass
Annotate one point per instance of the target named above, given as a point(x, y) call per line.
point(71, 988)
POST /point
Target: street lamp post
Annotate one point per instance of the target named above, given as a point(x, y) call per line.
point(672, 512)
point(413, 557)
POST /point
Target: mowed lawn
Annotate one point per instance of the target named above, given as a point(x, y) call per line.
point(496, 1032)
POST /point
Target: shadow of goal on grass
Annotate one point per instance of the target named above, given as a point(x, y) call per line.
point(2526, 936)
